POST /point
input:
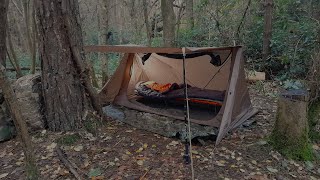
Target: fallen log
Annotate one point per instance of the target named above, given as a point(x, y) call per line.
point(255, 76)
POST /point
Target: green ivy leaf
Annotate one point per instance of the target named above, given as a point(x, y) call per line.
point(94, 172)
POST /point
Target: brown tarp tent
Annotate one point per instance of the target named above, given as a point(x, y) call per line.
point(200, 73)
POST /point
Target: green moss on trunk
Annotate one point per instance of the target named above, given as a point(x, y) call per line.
point(299, 149)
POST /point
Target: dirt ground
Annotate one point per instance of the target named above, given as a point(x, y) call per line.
point(119, 151)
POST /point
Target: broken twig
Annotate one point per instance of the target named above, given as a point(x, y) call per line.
point(144, 175)
point(67, 163)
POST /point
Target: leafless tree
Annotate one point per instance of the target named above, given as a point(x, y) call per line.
point(103, 23)
point(169, 22)
point(146, 21)
point(266, 49)
point(189, 14)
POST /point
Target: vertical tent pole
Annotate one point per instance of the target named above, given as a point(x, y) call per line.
point(186, 155)
point(188, 146)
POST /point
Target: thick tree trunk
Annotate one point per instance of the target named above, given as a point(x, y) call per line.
point(290, 133)
point(168, 17)
point(3, 29)
point(266, 49)
point(65, 79)
point(189, 14)
point(146, 22)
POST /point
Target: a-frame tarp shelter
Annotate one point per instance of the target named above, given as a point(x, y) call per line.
point(200, 72)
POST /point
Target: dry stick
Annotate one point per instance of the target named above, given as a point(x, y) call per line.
point(67, 163)
point(117, 143)
point(77, 168)
point(144, 175)
point(109, 150)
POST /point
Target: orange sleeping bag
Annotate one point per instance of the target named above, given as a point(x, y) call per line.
point(161, 88)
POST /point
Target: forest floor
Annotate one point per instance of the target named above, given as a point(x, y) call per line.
point(119, 151)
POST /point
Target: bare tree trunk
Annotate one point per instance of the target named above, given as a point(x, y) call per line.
point(14, 21)
point(3, 20)
point(168, 17)
point(180, 13)
point(12, 101)
point(34, 39)
point(134, 19)
point(103, 29)
point(266, 49)
point(30, 29)
point(146, 22)
point(65, 78)
point(10, 47)
point(189, 14)
point(13, 56)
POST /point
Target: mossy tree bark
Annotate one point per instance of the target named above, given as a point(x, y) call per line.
point(290, 133)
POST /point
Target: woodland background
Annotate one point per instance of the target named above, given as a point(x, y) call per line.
point(280, 38)
point(295, 31)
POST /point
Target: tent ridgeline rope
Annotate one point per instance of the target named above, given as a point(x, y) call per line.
point(188, 146)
